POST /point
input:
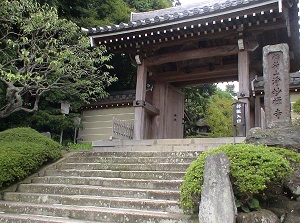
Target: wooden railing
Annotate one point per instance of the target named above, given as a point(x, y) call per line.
point(122, 129)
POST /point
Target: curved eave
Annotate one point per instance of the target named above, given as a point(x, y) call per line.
point(182, 17)
point(245, 15)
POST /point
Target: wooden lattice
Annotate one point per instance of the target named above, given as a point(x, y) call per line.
point(122, 129)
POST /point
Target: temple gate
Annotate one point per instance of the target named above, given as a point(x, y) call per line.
point(197, 44)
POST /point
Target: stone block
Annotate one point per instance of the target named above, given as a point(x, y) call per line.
point(276, 66)
point(217, 200)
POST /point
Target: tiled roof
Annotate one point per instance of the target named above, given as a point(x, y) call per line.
point(114, 99)
point(294, 81)
point(188, 10)
point(156, 17)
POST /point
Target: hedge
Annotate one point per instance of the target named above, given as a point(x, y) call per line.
point(23, 151)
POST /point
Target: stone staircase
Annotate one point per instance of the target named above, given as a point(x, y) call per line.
point(105, 186)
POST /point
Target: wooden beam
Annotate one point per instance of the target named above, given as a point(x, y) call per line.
point(199, 82)
point(192, 54)
point(149, 108)
point(200, 73)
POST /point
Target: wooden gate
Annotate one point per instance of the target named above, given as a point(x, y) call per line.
point(174, 113)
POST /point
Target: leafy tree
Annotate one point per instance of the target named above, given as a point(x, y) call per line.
point(91, 13)
point(219, 114)
point(147, 5)
point(230, 90)
point(40, 53)
point(196, 101)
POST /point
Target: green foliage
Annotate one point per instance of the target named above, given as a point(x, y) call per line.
point(196, 101)
point(296, 106)
point(247, 206)
point(79, 146)
point(230, 90)
point(252, 170)
point(147, 5)
point(41, 53)
point(219, 114)
point(22, 151)
point(53, 121)
point(92, 13)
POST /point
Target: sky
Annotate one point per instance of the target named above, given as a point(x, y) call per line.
point(186, 2)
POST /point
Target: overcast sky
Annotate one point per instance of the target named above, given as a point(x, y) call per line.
point(186, 2)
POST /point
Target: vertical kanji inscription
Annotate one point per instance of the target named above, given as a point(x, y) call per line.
point(276, 76)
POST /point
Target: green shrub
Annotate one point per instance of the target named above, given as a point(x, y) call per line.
point(296, 106)
point(22, 151)
point(252, 169)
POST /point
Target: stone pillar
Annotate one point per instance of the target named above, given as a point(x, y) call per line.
point(139, 111)
point(276, 67)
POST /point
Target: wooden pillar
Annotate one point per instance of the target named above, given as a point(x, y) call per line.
point(139, 112)
point(159, 101)
point(257, 111)
point(244, 83)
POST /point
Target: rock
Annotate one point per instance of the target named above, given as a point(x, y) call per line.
point(217, 200)
point(277, 204)
point(280, 213)
point(293, 212)
point(292, 218)
point(291, 208)
point(293, 183)
point(287, 137)
point(279, 201)
point(275, 188)
point(262, 216)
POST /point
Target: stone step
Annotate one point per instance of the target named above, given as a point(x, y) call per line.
point(94, 213)
point(153, 154)
point(157, 148)
point(170, 145)
point(84, 200)
point(28, 218)
point(125, 167)
point(111, 182)
point(68, 189)
point(97, 186)
point(128, 160)
point(153, 175)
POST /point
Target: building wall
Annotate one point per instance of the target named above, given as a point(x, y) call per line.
point(294, 96)
point(97, 123)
